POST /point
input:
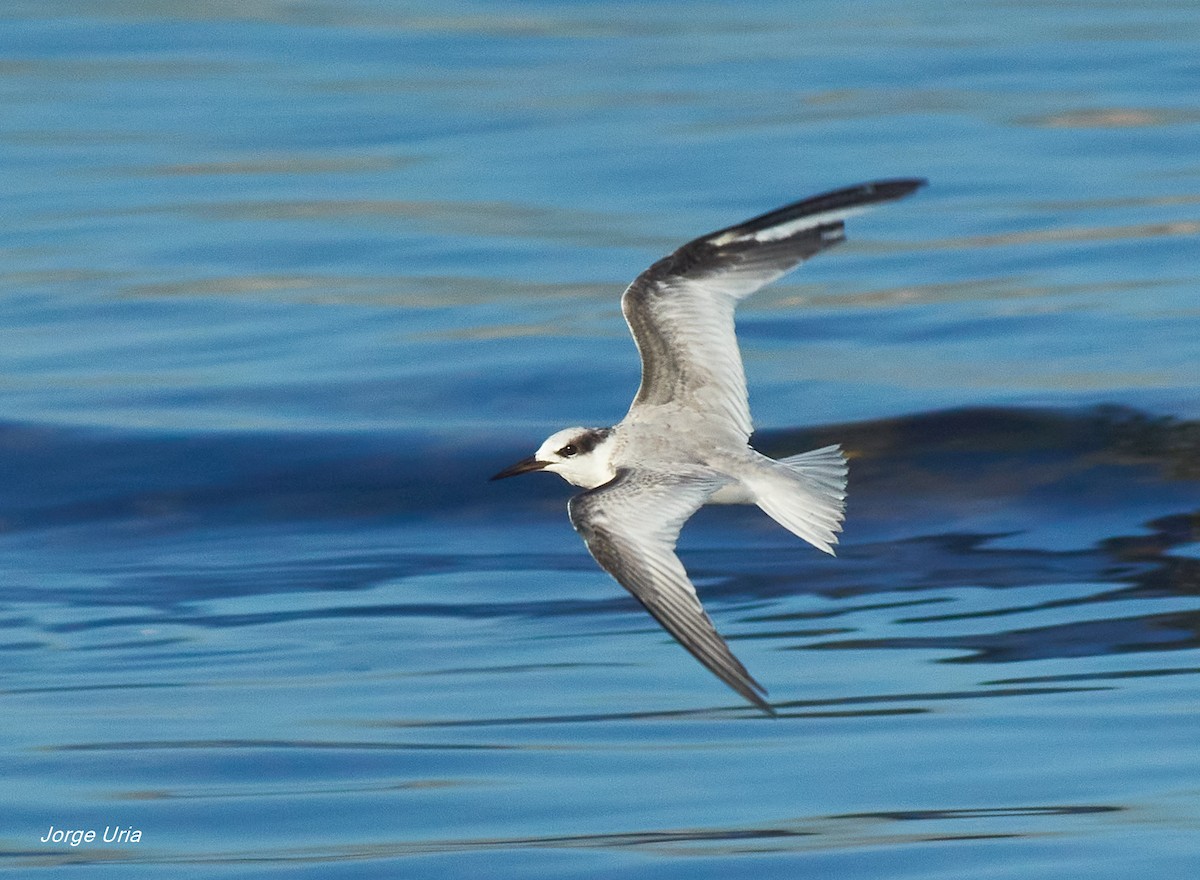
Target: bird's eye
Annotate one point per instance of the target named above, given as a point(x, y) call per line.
point(568, 450)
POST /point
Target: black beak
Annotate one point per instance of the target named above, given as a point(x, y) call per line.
point(524, 466)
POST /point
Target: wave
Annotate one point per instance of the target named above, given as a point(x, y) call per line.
point(944, 470)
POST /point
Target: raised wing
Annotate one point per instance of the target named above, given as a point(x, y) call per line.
point(630, 526)
point(680, 310)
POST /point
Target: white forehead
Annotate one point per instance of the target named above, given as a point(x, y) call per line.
point(558, 440)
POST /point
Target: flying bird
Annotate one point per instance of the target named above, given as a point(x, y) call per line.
point(685, 441)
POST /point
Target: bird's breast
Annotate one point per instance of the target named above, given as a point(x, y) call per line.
point(732, 493)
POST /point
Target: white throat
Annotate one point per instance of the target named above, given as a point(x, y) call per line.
point(587, 471)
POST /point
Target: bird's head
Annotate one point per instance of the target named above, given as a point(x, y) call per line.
point(581, 456)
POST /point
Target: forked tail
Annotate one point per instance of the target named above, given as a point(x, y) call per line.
point(806, 494)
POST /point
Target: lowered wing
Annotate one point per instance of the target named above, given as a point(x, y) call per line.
point(630, 526)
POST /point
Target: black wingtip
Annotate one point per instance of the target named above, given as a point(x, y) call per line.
point(835, 201)
point(758, 702)
point(907, 184)
point(766, 708)
point(758, 697)
point(870, 193)
point(740, 681)
point(895, 188)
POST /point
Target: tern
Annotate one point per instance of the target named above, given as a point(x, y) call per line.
point(685, 441)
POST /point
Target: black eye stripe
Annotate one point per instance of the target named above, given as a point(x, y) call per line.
point(584, 443)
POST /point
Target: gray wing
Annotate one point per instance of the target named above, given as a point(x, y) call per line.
point(630, 526)
point(680, 310)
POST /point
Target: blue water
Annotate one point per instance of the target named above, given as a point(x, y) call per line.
point(284, 282)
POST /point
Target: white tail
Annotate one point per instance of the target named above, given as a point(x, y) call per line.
point(806, 494)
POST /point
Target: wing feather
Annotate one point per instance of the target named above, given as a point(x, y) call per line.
point(680, 310)
point(630, 526)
